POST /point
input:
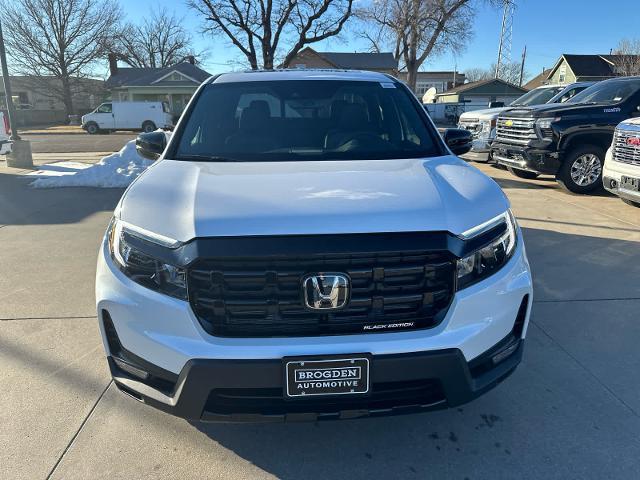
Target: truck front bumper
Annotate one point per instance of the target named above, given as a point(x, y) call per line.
point(159, 354)
point(480, 150)
point(526, 158)
point(612, 173)
point(253, 390)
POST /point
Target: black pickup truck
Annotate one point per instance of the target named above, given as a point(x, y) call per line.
point(568, 140)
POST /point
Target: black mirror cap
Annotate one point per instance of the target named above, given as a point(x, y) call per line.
point(458, 140)
point(151, 145)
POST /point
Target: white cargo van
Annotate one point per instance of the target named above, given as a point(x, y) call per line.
point(145, 116)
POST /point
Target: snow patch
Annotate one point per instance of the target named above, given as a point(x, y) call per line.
point(117, 170)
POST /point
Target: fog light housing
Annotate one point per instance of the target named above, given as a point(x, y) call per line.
point(130, 369)
point(506, 352)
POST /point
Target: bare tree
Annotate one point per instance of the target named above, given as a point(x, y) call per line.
point(417, 29)
point(509, 72)
point(628, 64)
point(266, 31)
point(476, 74)
point(62, 39)
point(159, 41)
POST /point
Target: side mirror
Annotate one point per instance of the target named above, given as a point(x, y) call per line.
point(151, 145)
point(496, 104)
point(458, 140)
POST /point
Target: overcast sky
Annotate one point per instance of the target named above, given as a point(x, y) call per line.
point(547, 27)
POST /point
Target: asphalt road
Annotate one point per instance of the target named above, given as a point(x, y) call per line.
point(571, 410)
point(78, 142)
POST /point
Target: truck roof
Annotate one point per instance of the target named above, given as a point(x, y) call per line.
point(301, 74)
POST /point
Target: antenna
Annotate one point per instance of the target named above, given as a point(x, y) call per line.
point(506, 34)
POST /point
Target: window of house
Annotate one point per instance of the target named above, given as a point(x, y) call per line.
point(562, 74)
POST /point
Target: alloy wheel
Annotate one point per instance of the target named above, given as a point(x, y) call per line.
point(586, 169)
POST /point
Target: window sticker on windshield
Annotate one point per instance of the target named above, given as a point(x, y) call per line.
point(388, 85)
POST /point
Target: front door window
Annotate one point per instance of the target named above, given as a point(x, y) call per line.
point(104, 108)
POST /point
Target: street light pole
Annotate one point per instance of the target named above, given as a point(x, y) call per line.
point(7, 89)
point(20, 155)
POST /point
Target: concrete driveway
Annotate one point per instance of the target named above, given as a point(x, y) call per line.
point(570, 411)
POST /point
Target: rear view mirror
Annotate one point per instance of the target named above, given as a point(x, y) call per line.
point(151, 145)
point(458, 140)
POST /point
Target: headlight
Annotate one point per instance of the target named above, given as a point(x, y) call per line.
point(488, 125)
point(126, 245)
point(544, 126)
point(487, 260)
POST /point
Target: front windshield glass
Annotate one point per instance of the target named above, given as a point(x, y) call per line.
point(305, 120)
point(537, 97)
point(606, 92)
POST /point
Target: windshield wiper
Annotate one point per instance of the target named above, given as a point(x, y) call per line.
point(207, 158)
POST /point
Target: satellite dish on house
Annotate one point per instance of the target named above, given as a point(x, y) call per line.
point(430, 95)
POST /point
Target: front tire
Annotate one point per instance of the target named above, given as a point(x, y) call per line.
point(523, 173)
point(148, 127)
point(581, 170)
point(92, 128)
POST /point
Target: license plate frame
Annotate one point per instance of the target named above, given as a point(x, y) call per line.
point(327, 376)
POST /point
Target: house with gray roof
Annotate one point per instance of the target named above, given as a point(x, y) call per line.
point(174, 84)
point(482, 92)
point(582, 68)
point(377, 62)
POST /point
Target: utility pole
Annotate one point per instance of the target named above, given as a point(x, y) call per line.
point(455, 71)
point(11, 111)
point(506, 35)
point(20, 155)
point(524, 57)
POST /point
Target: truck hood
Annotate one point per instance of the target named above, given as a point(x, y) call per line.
point(553, 109)
point(183, 200)
point(485, 114)
point(631, 121)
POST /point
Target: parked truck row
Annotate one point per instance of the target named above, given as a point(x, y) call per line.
point(587, 139)
point(482, 123)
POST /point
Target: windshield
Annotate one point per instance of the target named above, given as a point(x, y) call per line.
point(307, 119)
point(537, 96)
point(607, 92)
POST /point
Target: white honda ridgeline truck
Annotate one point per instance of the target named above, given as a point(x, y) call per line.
point(309, 247)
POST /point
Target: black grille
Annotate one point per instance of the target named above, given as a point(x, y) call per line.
point(262, 296)
point(270, 401)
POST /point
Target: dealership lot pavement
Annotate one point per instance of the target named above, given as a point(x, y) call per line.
point(572, 409)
